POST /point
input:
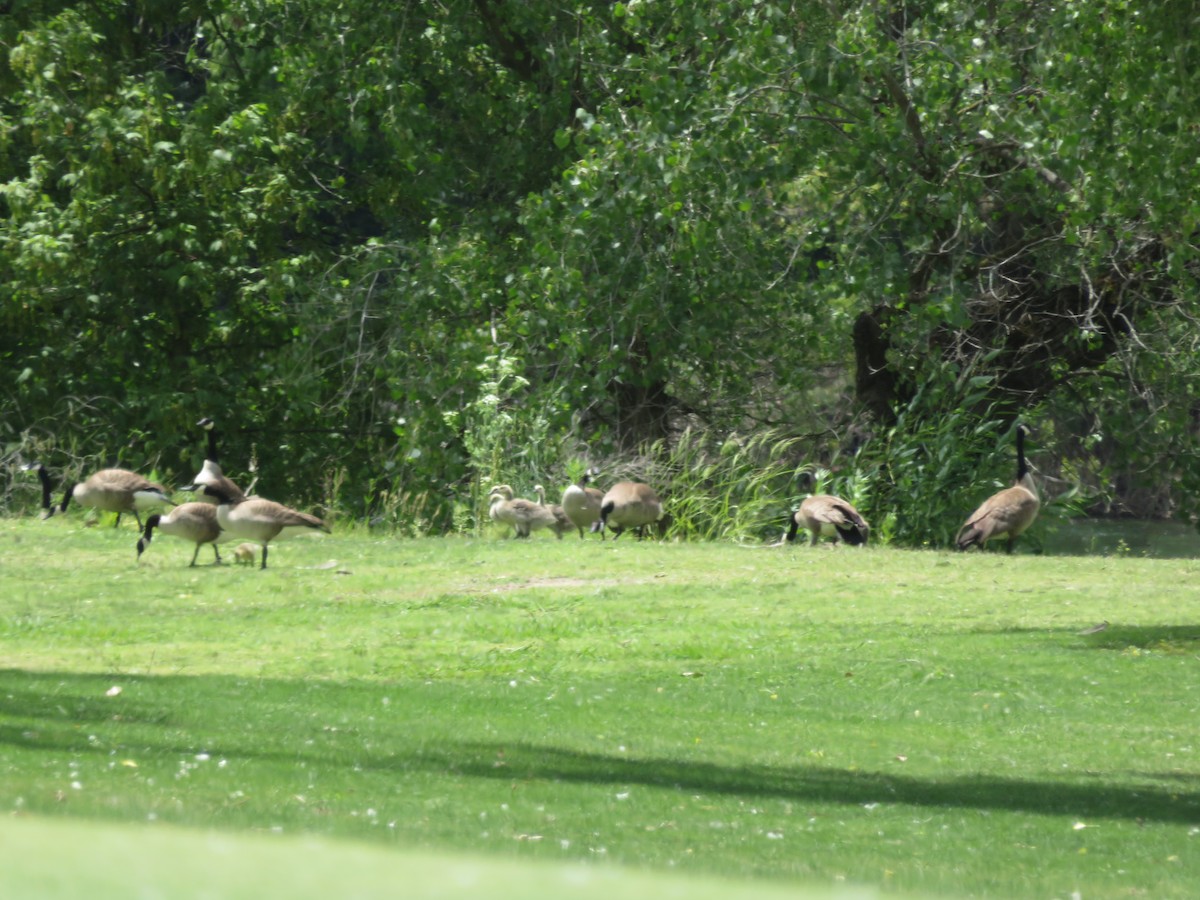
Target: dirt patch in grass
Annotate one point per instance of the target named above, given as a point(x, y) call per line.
point(565, 582)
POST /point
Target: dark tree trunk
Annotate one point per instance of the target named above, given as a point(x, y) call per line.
point(1043, 334)
point(643, 414)
point(875, 384)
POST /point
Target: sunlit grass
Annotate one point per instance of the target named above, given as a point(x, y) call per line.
point(918, 722)
point(117, 861)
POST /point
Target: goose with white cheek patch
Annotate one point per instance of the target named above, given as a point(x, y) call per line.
point(195, 522)
point(211, 473)
point(109, 490)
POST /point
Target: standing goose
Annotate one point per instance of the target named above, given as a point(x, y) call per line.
point(259, 520)
point(825, 515)
point(210, 473)
point(523, 515)
point(1006, 513)
point(195, 522)
point(582, 503)
point(561, 523)
point(109, 490)
point(628, 504)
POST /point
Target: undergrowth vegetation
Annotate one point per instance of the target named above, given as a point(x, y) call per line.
point(915, 483)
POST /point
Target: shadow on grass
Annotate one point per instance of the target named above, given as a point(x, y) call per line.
point(280, 724)
point(1159, 638)
point(1103, 636)
point(816, 784)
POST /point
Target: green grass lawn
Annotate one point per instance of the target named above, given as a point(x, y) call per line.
point(882, 721)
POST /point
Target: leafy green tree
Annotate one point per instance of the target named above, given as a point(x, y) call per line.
point(319, 221)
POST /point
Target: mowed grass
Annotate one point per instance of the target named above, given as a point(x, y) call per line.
point(908, 723)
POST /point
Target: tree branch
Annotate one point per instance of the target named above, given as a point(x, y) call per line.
point(512, 50)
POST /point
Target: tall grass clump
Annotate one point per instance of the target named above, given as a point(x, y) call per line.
point(506, 442)
point(736, 487)
point(948, 449)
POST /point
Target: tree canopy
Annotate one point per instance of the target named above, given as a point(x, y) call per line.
point(400, 249)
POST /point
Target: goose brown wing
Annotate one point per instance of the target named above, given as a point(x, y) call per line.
point(123, 480)
point(268, 512)
point(844, 514)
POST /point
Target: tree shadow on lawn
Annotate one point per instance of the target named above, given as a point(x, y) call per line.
point(1160, 638)
point(1097, 799)
point(275, 720)
point(1105, 636)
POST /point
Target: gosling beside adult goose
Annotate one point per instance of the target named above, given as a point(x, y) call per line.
point(259, 520)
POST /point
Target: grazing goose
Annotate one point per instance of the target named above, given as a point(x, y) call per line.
point(628, 504)
point(109, 490)
point(523, 515)
point(259, 520)
point(210, 472)
point(195, 522)
point(825, 515)
point(1007, 513)
point(561, 523)
point(244, 553)
point(582, 503)
point(47, 487)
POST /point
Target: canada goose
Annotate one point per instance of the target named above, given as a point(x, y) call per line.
point(825, 515)
point(628, 504)
point(523, 515)
point(109, 490)
point(196, 522)
point(210, 472)
point(561, 523)
point(47, 487)
point(244, 553)
point(1006, 513)
point(259, 520)
point(582, 503)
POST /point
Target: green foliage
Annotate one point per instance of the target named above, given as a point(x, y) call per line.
point(947, 451)
point(731, 489)
point(505, 438)
point(318, 220)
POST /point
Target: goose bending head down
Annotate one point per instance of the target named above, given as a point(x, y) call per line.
point(195, 522)
point(628, 504)
point(259, 520)
point(824, 515)
point(109, 490)
point(47, 487)
point(1007, 513)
